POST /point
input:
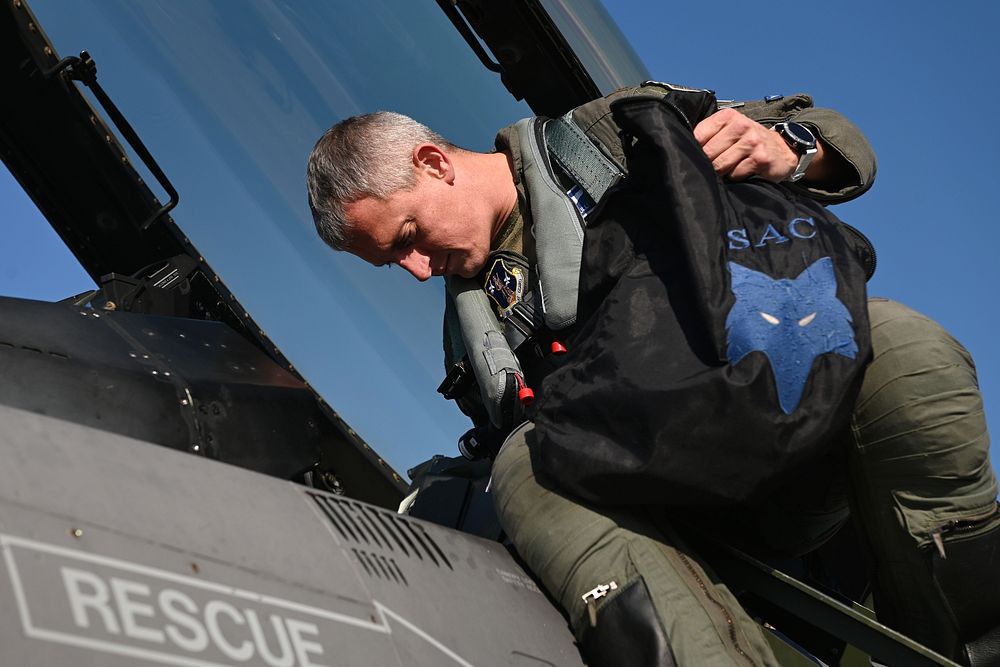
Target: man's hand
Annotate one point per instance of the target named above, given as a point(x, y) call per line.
point(739, 148)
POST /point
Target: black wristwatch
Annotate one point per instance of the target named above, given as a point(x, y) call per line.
point(802, 141)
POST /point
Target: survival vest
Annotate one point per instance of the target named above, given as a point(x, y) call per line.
point(720, 329)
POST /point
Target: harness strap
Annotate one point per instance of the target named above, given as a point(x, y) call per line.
point(493, 361)
point(577, 155)
point(558, 229)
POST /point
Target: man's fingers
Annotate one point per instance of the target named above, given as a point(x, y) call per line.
point(739, 147)
point(709, 127)
point(727, 121)
point(719, 144)
point(738, 154)
point(730, 136)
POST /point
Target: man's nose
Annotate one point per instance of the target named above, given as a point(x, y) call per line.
point(418, 264)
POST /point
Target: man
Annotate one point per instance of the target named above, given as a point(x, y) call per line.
point(917, 474)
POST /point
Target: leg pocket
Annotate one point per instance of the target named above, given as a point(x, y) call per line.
point(936, 519)
point(627, 631)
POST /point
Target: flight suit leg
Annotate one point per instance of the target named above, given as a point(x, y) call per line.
point(924, 489)
point(666, 607)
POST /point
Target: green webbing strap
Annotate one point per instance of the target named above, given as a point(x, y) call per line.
point(577, 155)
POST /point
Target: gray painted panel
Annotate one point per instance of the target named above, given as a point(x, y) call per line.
point(117, 551)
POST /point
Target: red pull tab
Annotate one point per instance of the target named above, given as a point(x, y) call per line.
point(558, 348)
point(524, 394)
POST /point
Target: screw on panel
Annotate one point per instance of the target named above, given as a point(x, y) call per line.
point(195, 568)
point(32, 28)
point(17, 3)
point(195, 448)
point(76, 532)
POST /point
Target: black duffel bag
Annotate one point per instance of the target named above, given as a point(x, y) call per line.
point(722, 332)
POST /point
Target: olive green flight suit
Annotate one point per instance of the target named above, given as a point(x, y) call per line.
point(916, 460)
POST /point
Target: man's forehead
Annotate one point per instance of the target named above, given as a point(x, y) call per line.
point(372, 227)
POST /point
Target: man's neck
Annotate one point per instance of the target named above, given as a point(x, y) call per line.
point(499, 172)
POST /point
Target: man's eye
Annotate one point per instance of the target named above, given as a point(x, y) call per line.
point(408, 237)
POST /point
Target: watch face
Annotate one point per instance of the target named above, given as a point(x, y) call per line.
point(800, 133)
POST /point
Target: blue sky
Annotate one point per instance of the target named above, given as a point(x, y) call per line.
point(919, 81)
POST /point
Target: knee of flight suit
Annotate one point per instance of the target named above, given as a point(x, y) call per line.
point(920, 400)
point(570, 547)
point(919, 428)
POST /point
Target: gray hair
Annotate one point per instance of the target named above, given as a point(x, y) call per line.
point(360, 157)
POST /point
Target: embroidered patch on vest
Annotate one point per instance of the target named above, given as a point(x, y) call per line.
point(504, 285)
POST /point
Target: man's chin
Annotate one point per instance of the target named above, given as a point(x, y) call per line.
point(469, 271)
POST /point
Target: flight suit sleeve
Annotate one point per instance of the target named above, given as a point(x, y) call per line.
point(839, 136)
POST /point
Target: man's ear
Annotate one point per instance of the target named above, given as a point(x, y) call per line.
point(434, 161)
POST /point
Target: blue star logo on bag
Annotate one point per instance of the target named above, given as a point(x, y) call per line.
point(504, 285)
point(792, 321)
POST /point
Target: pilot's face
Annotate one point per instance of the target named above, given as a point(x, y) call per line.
point(430, 229)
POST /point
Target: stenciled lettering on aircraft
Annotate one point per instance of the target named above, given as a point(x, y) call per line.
point(799, 228)
point(106, 604)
